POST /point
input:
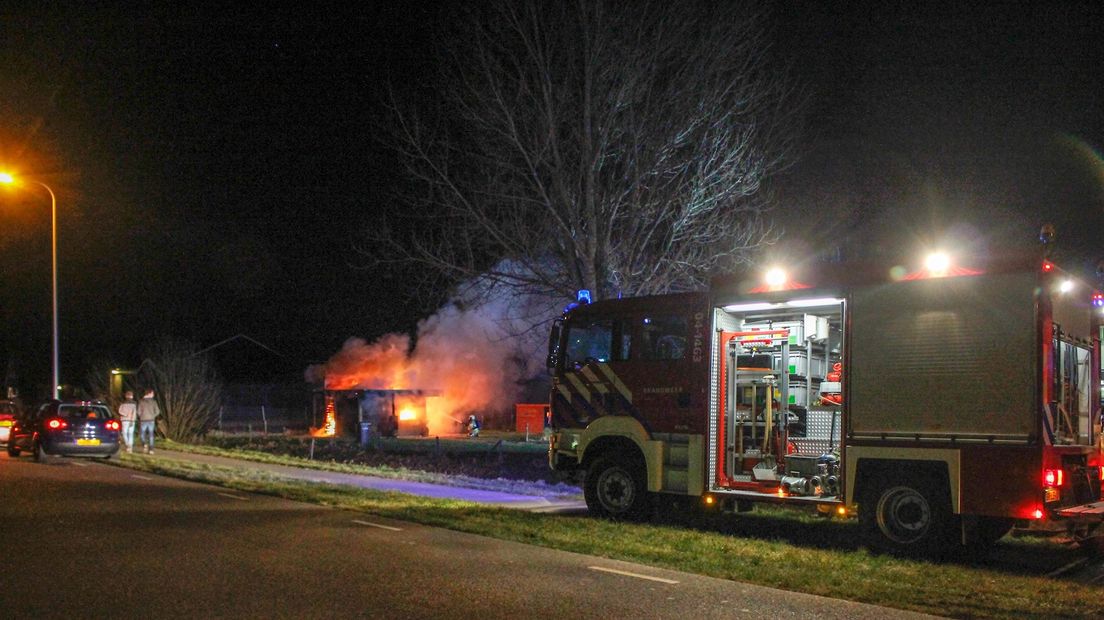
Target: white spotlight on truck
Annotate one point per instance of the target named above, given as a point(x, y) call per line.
point(938, 263)
point(776, 277)
point(1066, 286)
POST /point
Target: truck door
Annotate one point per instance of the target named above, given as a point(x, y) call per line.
point(588, 384)
point(1071, 409)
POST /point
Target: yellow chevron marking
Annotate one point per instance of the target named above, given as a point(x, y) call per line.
point(578, 385)
point(616, 381)
point(564, 391)
point(595, 382)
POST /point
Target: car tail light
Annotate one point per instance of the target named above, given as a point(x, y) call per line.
point(112, 425)
point(56, 423)
point(1053, 477)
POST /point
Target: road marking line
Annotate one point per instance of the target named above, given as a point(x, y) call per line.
point(140, 477)
point(628, 574)
point(80, 464)
point(379, 525)
point(244, 499)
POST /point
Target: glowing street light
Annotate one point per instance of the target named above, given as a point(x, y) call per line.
point(8, 179)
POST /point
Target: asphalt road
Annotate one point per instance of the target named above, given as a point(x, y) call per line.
point(85, 539)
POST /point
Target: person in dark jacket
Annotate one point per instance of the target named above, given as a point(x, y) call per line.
point(147, 419)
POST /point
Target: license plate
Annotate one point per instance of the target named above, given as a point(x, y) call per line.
point(88, 442)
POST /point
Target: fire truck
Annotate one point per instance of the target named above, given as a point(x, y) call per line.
point(941, 404)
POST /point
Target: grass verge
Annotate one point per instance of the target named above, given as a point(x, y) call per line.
point(848, 573)
point(540, 489)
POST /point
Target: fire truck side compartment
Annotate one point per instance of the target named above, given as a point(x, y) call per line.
point(945, 357)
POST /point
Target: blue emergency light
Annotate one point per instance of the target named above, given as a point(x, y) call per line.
point(583, 296)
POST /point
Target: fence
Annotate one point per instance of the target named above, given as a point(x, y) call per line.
point(261, 419)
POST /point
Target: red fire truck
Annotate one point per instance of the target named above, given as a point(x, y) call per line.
point(941, 404)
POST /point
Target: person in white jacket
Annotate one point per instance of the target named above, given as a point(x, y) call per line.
point(128, 413)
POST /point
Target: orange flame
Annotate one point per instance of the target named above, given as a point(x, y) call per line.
point(407, 414)
point(329, 426)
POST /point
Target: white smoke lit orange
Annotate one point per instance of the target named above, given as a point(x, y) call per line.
point(467, 356)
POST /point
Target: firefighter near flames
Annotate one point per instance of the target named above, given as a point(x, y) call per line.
point(942, 405)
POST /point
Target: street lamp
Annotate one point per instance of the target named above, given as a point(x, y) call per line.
point(9, 180)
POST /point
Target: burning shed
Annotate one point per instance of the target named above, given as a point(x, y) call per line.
point(390, 412)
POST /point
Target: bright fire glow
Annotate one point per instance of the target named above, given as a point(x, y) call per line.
point(329, 425)
point(6, 178)
point(407, 414)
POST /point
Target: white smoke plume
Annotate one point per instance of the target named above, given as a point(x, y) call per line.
point(476, 353)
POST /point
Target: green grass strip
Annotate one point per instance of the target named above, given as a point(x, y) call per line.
point(853, 574)
point(394, 473)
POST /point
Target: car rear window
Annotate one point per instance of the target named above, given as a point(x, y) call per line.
point(84, 412)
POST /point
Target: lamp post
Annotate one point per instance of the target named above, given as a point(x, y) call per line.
point(9, 179)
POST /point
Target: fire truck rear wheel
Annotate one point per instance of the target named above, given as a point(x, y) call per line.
point(615, 489)
point(907, 517)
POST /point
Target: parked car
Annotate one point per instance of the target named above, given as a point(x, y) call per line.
point(68, 428)
point(8, 413)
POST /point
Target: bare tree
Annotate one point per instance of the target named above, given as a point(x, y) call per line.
point(622, 147)
point(186, 386)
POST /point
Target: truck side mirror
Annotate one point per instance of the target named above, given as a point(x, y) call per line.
point(554, 345)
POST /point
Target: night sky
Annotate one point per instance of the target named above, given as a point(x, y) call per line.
point(215, 168)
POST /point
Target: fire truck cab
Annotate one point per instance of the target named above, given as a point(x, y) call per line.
point(940, 403)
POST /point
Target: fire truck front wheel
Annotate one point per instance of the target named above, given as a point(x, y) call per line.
point(907, 517)
point(615, 488)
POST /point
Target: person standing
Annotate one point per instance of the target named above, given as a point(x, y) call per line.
point(147, 418)
point(128, 413)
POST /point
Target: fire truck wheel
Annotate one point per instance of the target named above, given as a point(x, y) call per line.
point(907, 517)
point(615, 489)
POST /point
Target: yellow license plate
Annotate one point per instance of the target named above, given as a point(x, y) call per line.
point(88, 442)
